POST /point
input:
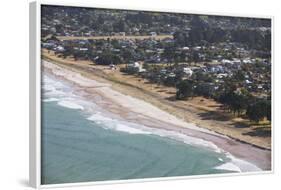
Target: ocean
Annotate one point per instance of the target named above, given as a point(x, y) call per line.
point(82, 143)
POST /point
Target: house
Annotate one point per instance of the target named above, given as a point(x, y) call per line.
point(160, 50)
point(226, 61)
point(222, 75)
point(153, 34)
point(112, 67)
point(197, 48)
point(247, 61)
point(59, 49)
point(163, 71)
point(171, 75)
point(48, 45)
point(83, 49)
point(260, 87)
point(187, 71)
point(248, 82)
point(122, 34)
point(236, 61)
point(136, 67)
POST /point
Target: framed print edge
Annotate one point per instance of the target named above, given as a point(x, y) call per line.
point(86, 4)
point(35, 96)
point(272, 94)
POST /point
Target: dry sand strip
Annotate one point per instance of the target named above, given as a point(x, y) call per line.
point(157, 37)
point(151, 116)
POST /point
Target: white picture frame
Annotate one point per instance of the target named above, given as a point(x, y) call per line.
point(35, 94)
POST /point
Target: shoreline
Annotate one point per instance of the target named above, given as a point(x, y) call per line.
point(140, 111)
point(204, 113)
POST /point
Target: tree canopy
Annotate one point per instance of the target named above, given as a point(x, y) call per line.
point(184, 89)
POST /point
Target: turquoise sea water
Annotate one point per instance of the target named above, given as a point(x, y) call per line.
point(78, 149)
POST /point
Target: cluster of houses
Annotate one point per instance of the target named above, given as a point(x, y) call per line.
point(252, 81)
point(152, 52)
point(154, 59)
point(67, 21)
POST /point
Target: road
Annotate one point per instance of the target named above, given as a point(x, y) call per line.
point(157, 37)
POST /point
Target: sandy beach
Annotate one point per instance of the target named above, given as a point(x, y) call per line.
point(134, 109)
point(205, 113)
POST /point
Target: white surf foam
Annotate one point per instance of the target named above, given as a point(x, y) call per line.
point(235, 164)
point(70, 105)
point(99, 117)
point(115, 124)
point(51, 100)
point(58, 91)
point(52, 88)
point(220, 159)
point(131, 130)
point(186, 139)
point(243, 165)
point(229, 167)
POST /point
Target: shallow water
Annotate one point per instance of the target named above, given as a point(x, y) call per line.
point(81, 146)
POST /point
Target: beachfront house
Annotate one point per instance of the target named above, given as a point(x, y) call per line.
point(136, 67)
point(112, 67)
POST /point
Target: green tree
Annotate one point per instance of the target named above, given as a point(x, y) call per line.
point(108, 58)
point(235, 101)
point(259, 110)
point(184, 89)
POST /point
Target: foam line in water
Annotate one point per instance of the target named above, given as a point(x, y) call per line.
point(243, 165)
point(99, 117)
point(51, 100)
point(133, 128)
point(229, 167)
point(58, 91)
point(53, 88)
point(235, 164)
point(114, 124)
point(125, 128)
point(70, 105)
point(220, 159)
